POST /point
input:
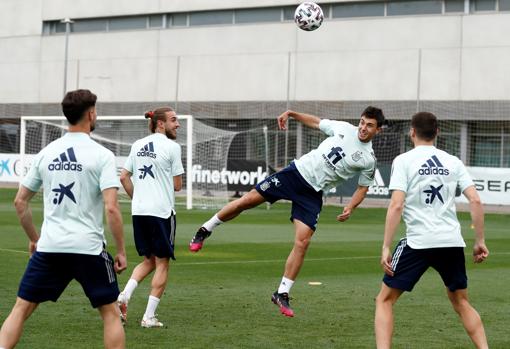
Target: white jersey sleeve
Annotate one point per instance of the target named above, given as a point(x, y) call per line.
point(367, 175)
point(33, 179)
point(108, 177)
point(177, 168)
point(332, 128)
point(465, 179)
point(398, 179)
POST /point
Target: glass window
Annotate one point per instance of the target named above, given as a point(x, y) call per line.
point(46, 29)
point(126, 23)
point(88, 25)
point(271, 14)
point(366, 9)
point(61, 27)
point(504, 5)
point(179, 19)
point(483, 5)
point(486, 151)
point(454, 5)
point(156, 21)
point(506, 151)
point(397, 8)
point(288, 13)
point(326, 9)
point(211, 17)
point(9, 137)
point(449, 142)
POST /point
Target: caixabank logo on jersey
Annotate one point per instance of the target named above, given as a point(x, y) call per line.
point(66, 161)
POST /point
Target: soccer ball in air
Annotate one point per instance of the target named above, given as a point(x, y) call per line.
point(308, 16)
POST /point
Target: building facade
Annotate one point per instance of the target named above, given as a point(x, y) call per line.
point(247, 60)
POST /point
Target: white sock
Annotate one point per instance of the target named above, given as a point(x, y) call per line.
point(130, 288)
point(152, 304)
point(285, 285)
point(212, 223)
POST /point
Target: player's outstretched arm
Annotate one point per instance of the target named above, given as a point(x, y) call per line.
point(390, 227)
point(358, 196)
point(114, 219)
point(24, 213)
point(480, 251)
point(308, 120)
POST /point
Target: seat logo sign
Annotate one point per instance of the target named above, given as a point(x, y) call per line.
point(66, 161)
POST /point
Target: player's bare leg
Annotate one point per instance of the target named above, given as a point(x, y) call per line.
point(159, 280)
point(469, 317)
point(13, 326)
point(302, 238)
point(144, 268)
point(114, 337)
point(139, 274)
point(234, 208)
point(227, 213)
point(384, 315)
point(158, 285)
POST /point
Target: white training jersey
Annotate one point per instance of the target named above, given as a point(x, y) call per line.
point(73, 171)
point(154, 161)
point(339, 157)
point(430, 177)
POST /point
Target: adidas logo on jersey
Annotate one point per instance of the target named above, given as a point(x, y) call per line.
point(65, 162)
point(433, 167)
point(147, 150)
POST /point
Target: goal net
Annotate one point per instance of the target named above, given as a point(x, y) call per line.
point(203, 147)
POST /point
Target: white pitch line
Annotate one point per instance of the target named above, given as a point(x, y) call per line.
point(267, 260)
point(14, 251)
point(279, 260)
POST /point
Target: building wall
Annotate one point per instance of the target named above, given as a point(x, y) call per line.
point(443, 57)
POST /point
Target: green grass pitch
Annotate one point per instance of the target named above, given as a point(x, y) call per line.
point(220, 297)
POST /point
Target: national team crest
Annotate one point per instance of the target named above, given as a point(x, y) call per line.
point(356, 156)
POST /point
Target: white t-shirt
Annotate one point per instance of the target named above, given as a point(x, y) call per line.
point(429, 177)
point(339, 157)
point(73, 170)
point(154, 161)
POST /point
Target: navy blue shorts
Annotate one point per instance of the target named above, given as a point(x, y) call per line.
point(154, 236)
point(48, 274)
point(409, 265)
point(288, 184)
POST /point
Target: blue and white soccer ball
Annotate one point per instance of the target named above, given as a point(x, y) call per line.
point(308, 16)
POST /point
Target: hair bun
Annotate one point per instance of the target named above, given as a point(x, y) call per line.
point(149, 114)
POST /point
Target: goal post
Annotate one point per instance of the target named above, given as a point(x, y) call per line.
point(200, 144)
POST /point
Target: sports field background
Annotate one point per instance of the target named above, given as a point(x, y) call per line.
point(220, 297)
